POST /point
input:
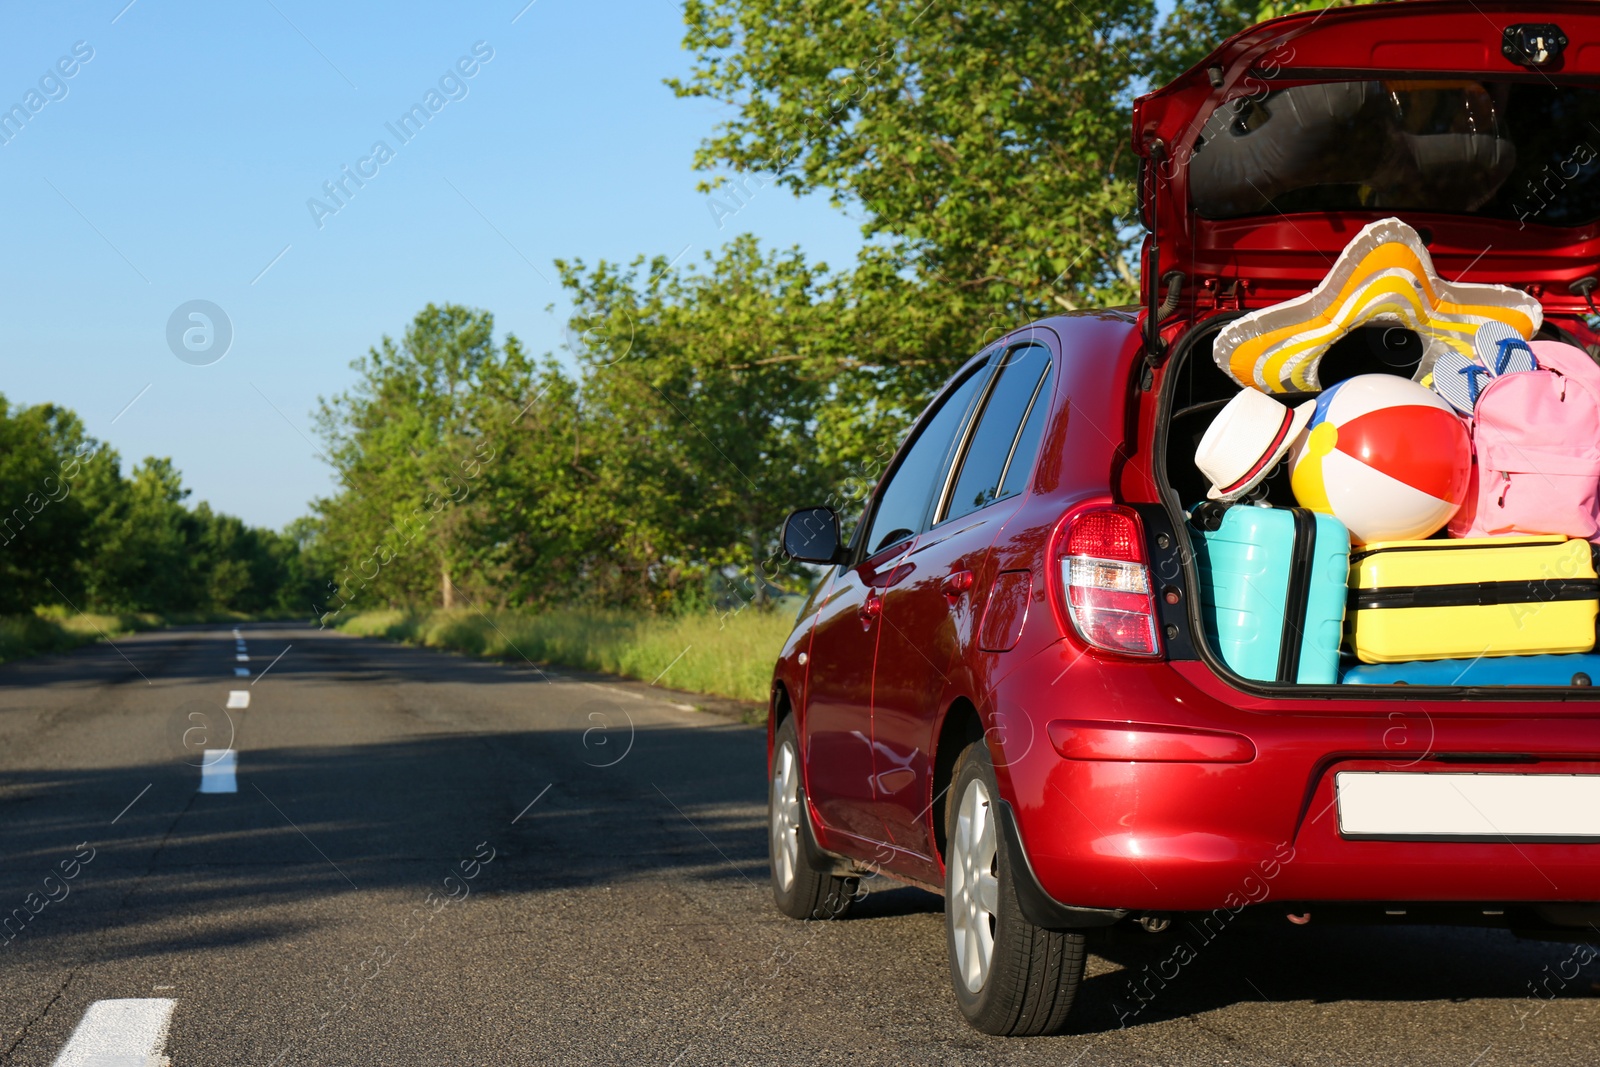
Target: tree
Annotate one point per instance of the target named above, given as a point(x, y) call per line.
point(409, 444)
point(238, 567)
point(42, 454)
point(74, 532)
point(987, 149)
point(140, 551)
point(705, 426)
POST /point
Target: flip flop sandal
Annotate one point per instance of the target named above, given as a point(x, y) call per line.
point(1458, 381)
point(1502, 350)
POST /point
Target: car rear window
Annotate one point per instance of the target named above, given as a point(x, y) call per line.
point(1524, 151)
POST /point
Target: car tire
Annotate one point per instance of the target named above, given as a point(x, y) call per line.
point(1011, 978)
point(799, 889)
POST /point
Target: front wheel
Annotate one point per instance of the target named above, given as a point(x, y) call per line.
point(800, 890)
point(1011, 978)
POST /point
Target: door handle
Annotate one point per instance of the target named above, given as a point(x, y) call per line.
point(955, 583)
point(870, 609)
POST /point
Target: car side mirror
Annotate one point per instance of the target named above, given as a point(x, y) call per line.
point(811, 535)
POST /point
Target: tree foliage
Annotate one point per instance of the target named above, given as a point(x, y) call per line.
point(42, 452)
point(692, 418)
point(701, 408)
point(76, 531)
point(988, 148)
point(412, 443)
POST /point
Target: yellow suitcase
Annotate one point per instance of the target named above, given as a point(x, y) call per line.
point(1477, 596)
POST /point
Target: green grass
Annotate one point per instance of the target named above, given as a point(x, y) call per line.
point(730, 656)
point(32, 635)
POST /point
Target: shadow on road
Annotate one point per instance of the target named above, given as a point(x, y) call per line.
point(1324, 965)
point(569, 811)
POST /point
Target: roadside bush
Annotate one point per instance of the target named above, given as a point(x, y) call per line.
point(51, 630)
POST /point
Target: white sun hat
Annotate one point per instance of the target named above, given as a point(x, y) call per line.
point(1246, 440)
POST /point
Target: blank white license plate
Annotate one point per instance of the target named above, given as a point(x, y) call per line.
point(1410, 805)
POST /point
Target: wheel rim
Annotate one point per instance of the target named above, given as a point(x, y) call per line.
point(974, 886)
point(785, 828)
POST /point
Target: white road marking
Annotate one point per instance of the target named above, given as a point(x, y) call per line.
point(238, 698)
point(242, 657)
point(119, 1033)
point(241, 672)
point(217, 771)
point(614, 689)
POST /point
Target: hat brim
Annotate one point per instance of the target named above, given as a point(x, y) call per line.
point(1298, 418)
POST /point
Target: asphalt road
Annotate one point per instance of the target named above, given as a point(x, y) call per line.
point(432, 860)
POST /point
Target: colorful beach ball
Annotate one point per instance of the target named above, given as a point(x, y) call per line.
point(1385, 456)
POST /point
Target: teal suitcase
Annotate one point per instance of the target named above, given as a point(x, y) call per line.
point(1273, 590)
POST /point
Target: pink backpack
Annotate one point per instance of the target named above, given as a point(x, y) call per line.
point(1536, 439)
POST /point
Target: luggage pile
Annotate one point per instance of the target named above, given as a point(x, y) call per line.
point(1445, 524)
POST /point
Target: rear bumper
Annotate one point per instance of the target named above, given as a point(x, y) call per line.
point(1241, 824)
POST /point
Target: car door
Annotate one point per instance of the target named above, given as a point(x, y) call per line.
point(838, 722)
point(929, 618)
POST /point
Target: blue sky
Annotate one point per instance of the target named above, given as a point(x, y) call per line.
point(176, 164)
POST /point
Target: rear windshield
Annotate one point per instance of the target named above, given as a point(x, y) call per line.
point(1503, 150)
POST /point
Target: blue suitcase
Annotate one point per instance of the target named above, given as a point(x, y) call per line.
point(1577, 668)
point(1273, 590)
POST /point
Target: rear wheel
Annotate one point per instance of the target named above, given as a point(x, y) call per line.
point(800, 890)
point(1010, 977)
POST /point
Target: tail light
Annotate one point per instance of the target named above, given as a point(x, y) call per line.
point(1105, 579)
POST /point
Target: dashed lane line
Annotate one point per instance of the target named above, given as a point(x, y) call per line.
point(217, 769)
point(122, 1032)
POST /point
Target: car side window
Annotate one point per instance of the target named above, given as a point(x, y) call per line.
point(1026, 448)
point(903, 502)
point(1001, 424)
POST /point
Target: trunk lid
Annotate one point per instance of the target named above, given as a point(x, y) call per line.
point(1262, 162)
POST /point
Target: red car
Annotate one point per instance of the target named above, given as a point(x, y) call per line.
point(1001, 690)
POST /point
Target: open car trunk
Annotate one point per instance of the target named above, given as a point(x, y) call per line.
point(1477, 124)
point(1192, 390)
